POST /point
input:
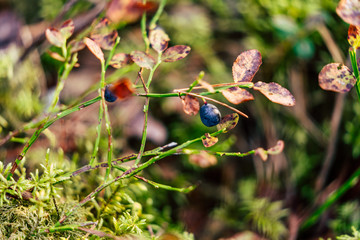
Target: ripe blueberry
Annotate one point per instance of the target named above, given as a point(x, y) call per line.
point(210, 115)
point(109, 96)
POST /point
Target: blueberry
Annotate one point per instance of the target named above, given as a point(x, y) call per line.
point(210, 115)
point(109, 96)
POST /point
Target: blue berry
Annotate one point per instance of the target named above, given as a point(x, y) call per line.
point(210, 115)
point(109, 96)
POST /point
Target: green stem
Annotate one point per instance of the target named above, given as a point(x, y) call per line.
point(196, 82)
point(157, 15)
point(355, 70)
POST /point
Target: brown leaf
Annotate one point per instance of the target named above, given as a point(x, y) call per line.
point(261, 153)
point(209, 141)
point(246, 65)
point(191, 105)
point(175, 53)
point(336, 77)
point(55, 37)
point(276, 149)
point(77, 45)
point(354, 36)
point(142, 59)
point(203, 159)
point(275, 93)
point(158, 39)
point(128, 10)
point(348, 10)
point(122, 88)
point(104, 35)
point(237, 95)
point(120, 60)
point(229, 122)
point(94, 48)
point(67, 29)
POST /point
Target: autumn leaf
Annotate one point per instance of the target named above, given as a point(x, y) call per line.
point(104, 35)
point(142, 59)
point(175, 53)
point(336, 77)
point(55, 37)
point(67, 29)
point(209, 140)
point(246, 65)
point(278, 148)
point(348, 10)
point(120, 60)
point(261, 153)
point(354, 36)
point(158, 39)
point(275, 93)
point(94, 48)
point(237, 95)
point(76, 45)
point(191, 105)
point(228, 122)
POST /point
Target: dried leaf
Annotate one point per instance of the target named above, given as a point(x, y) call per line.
point(354, 36)
point(246, 65)
point(55, 37)
point(275, 93)
point(77, 45)
point(175, 53)
point(203, 159)
point(67, 29)
point(128, 10)
point(158, 39)
point(103, 35)
point(336, 77)
point(237, 95)
point(142, 59)
point(229, 122)
point(278, 148)
point(120, 60)
point(348, 10)
point(261, 153)
point(191, 105)
point(94, 48)
point(209, 141)
point(122, 88)
point(56, 56)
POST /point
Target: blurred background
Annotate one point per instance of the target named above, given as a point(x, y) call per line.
point(236, 197)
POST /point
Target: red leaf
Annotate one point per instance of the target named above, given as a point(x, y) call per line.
point(191, 105)
point(120, 60)
point(229, 122)
point(237, 95)
point(275, 93)
point(175, 53)
point(246, 65)
point(354, 36)
point(122, 88)
point(128, 10)
point(142, 59)
point(55, 37)
point(67, 28)
point(209, 141)
point(94, 48)
point(103, 35)
point(336, 77)
point(158, 39)
point(348, 10)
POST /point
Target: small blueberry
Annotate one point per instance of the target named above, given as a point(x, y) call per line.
point(109, 96)
point(210, 115)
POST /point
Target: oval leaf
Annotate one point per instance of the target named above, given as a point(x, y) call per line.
point(77, 45)
point(336, 77)
point(348, 10)
point(122, 88)
point(209, 140)
point(54, 37)
point(354, 36)
point(203, 159)
point(278, 148)
point(103, 35)
point(67, 28)
point(237, 95)
point(56, 56)
point(175, 53)
point(228, 122)
point(142, 59)
point(275, 93)
point(94, 48)
point(191, 105)
point(246, 65)
point(158, 39)
point(120, 60)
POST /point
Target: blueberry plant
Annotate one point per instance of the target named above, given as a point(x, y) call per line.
point(46, 215)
